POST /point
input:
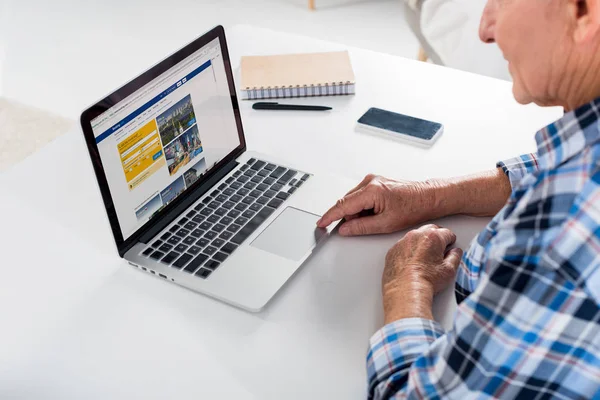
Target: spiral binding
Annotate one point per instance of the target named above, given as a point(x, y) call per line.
point(328, 89)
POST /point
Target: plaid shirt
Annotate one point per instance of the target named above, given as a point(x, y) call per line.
point(527, 325)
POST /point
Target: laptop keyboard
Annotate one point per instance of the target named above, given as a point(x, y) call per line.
point(213, 229)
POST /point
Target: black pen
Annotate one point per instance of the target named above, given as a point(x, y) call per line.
point(295, 107)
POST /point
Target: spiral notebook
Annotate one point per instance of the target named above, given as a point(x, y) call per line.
point(297, 75)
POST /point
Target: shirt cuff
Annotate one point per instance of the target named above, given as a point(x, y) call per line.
point(392, 351)
point(516, 168)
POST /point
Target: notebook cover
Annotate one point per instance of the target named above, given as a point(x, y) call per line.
point(296, 70)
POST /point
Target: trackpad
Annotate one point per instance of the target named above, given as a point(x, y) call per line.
point(293, 233)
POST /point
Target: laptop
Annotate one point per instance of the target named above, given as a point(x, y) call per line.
point(186, 201)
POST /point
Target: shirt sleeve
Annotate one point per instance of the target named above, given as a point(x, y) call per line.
point(516, 168)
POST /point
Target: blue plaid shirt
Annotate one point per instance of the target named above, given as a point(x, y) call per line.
point(528, 321)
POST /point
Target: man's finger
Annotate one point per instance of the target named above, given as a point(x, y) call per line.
point(362, 226)
point(453, 257)
point(448, 237)
point(348, 205)
point(362, 184)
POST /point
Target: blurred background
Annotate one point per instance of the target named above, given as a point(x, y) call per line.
point(49, 48)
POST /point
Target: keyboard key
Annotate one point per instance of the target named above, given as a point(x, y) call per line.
point(233, 228)
point(174, 228)
point(210, 250)
point(293, 182)
point(202, 242)
point(169, 258)
point(210, 235)
point(243, 179)
point(199, 207)
point(148, 251)
point(277, 187)
point(255, 193)
point(215, 204)
point(228, 205)
point(242, 192)
point(213, 218)
point(191, 214)
point(222, 186)
point(195, 263)
point(165, 247)
point(241, 206)
point(212, 264)
point(203, 273)
point(283, 195)
point(292, 190)
point(269, 181)
point(215, 193)
point(226, 220)
point(218, 228)
point(299, 184)
point(197, 233)
point(157, 255)
point(226, 235)
point(221, 211)
point(229, 248)
point(249, 185)
point(190, 226)
point(248, 214)
point(198, 219)
point(220, 256)
point(270, 167)
point(205, 225)
point(263, 172)
point(278, 172)
point(174, 240)
point(206, 212)
point(182, 232)
point(165, 236)
point(182, 221)
point(275, 203)
point(181, 248)
point(262, 187)
point(243, 167)
point(237, 173)
point(305, 177)
point(250, 173)
point(241, 220)
point(262, 200)
point(233, 213)
point(217, 243)
point(252, 225)
point(189, 240)
point(256, 179)
point(235, 198)
point(229, 180)
point(256, 206)
point(287, 176)
point(258, 165)
point(194, 250)
point(207, 200)
point(228, 191)
point(235, 185)
point(251, 161)
point(157, 244)
point(221, 198)
point(270, 193)
point(248, 200)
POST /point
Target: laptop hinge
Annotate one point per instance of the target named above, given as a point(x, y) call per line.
point(177, 211)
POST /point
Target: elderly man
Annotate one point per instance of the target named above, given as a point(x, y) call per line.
point(527, 325)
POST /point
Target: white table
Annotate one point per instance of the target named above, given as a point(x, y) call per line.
point(78, 322)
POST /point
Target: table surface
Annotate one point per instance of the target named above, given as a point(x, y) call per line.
point(79, 323)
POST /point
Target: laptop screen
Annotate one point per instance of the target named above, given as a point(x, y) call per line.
point(158, 141)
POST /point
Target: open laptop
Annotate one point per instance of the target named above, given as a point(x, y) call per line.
point(186, 202)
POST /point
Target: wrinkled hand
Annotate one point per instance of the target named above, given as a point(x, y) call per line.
point(421, 257)
point(381, 205)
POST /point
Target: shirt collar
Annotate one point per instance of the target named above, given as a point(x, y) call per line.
point(569, 136)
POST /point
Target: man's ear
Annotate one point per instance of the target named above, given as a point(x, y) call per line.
point(587, 24)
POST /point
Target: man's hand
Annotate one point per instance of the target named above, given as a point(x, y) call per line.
point(416, 268)
point(381, 205)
